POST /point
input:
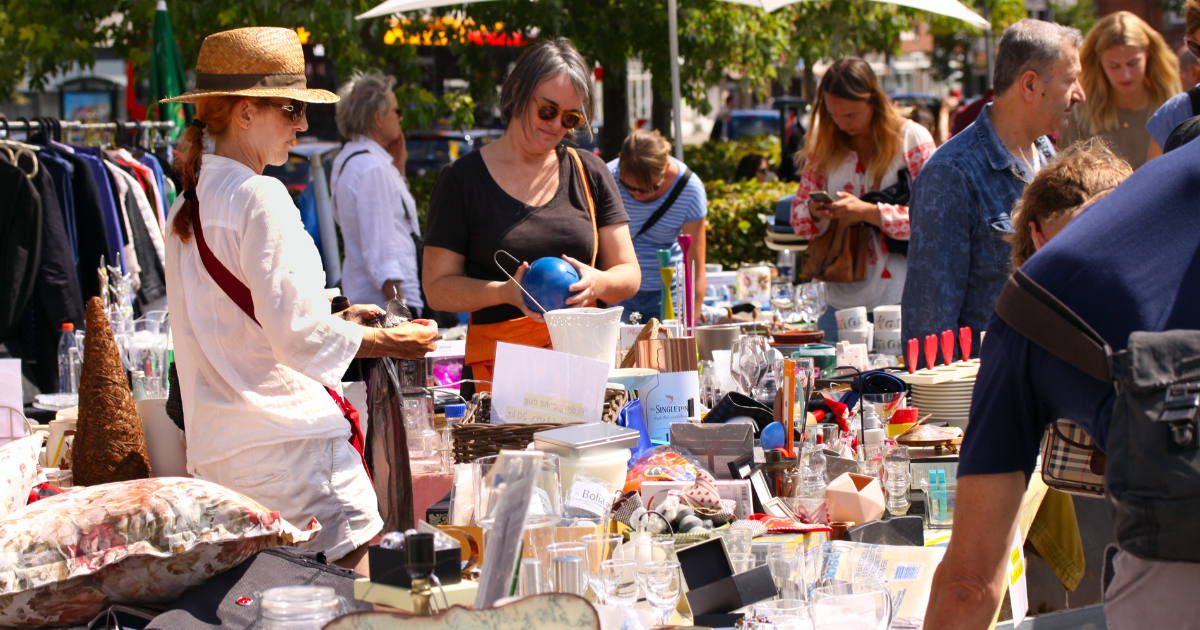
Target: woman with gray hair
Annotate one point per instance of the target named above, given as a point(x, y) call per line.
point(532, 197)
point(371, 202)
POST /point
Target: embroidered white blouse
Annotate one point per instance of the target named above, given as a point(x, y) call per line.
point(247, 385)
point(884, 283)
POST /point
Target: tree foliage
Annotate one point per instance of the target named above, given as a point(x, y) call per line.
point(953, 40)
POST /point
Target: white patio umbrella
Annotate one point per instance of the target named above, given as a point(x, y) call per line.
point(949, 8)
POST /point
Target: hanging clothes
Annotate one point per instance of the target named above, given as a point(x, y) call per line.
point(104, 192)
point(148, 243)
point(20, 245)
point(56, 296)
point(93, 242)
point(151, 163)
point(60, 172)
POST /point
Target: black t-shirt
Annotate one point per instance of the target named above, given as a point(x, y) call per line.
point(470, 214)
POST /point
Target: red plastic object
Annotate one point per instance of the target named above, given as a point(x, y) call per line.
point(948, 346)
point(964, 342)
point(914, 351)
point(930, 351)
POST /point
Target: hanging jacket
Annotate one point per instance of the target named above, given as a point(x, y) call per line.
point(20, 245)
point(56, 297)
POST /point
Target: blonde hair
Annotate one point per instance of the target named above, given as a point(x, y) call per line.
point(644, 158)
point(852, 78)
point(1099, 111)
point(1081, 175)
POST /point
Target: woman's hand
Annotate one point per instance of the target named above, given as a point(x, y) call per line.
point(515, 296)
point(819, 210)
point(362, 314)
point(854, 210)
point(589, 287)
point(410, 340)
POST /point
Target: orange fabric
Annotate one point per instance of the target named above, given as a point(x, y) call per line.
point(482, 338)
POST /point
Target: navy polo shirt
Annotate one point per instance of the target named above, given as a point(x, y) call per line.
point(1130, 262)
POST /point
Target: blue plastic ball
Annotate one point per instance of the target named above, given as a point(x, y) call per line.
point(548, 281)
point(773, 436)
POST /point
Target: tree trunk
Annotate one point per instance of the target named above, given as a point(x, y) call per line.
point(616, 110)
point(660, 111)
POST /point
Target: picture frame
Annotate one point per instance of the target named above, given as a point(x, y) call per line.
point(760, 490)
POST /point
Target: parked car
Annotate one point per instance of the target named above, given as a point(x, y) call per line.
point(753, 122)
point(429, 151)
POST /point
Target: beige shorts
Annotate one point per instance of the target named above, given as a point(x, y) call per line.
point(320, 478)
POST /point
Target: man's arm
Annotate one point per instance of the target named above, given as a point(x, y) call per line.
point(970, 581)
point(939, 251)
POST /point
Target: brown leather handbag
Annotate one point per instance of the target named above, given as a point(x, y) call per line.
point(839, 254)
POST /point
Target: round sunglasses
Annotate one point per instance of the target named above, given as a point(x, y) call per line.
point(571, 118)
point(294, 111)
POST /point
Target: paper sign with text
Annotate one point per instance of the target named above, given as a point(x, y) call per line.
point(1018, 591)
point(456, 348)
point(535, 385)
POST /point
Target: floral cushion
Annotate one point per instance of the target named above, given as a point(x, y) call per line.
point(70, 556)
point(18, 472)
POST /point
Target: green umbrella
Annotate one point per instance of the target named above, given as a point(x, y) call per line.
point(166, 74)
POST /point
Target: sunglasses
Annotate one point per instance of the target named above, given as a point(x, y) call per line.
point(571, 118)
point(1192, 45)
point(294, 112)
point(643, 191)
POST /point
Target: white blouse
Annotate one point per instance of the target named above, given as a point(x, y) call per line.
point(244, 385)
point(886, 272)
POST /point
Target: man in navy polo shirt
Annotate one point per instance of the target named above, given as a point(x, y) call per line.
point(1130, 262)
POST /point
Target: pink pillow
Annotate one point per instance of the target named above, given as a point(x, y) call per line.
point(18, 472)
point(130, 542)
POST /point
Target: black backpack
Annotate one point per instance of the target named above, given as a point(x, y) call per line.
point(1152, 477)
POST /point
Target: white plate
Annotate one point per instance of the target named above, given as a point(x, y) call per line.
point(942, 401)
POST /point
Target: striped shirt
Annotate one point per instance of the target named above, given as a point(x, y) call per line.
point(692, 205)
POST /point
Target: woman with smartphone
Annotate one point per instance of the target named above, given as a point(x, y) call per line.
point(860, 146)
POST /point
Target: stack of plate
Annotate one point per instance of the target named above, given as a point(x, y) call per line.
point(949, 402)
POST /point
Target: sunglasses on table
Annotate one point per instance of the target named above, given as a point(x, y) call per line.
point(294, 111)
point(571, 118)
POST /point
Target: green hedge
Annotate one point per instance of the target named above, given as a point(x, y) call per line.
point(736, 211)
point(718, 160)
point(737, 220)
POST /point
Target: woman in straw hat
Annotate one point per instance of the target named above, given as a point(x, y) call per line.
point(255, 343)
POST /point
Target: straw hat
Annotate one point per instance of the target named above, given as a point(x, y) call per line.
point(255, 61)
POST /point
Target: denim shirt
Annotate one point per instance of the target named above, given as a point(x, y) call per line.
point(958, 260)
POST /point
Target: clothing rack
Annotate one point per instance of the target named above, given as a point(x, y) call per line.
point(159, 130)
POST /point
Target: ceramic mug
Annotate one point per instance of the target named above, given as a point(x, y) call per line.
point(854, 336)
point(887, 317)
point(852, 318)
point(888, 342)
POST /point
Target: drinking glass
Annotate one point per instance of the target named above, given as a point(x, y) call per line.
point(873, 460)
point(786, 614)
point(600, 547)
point(896, 480)
point(864, 606)
point(750, 362)
point(545, 509)
point(737, 540)
point(783, 300)
point(834, 568)
point(664, 586)
point(618, 582)
point(742, 562)
point(820, 301)
point(787, 571)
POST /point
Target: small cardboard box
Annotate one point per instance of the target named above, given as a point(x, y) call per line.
point(712, 586)
point(715, 444)
point(855, 499)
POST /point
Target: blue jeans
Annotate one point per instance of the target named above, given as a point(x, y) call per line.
point(648, 303)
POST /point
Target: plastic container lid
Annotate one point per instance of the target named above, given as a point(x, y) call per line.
point(456, 411)
point(68, 326)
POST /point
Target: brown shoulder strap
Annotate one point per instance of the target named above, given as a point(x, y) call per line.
point(591, 204)
point(1043, 319)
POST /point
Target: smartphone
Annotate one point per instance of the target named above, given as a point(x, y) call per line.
point(822, 196)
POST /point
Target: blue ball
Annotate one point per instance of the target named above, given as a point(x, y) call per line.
point(773, 436)
point(547, 280)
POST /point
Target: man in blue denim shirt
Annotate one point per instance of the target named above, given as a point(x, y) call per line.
point(958, 258)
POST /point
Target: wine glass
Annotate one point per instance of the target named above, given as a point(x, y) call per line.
point(664, 586)
point(750, 362)
point(885, 405)
point(820, 301)
point(618, 582)
point(783, 300)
